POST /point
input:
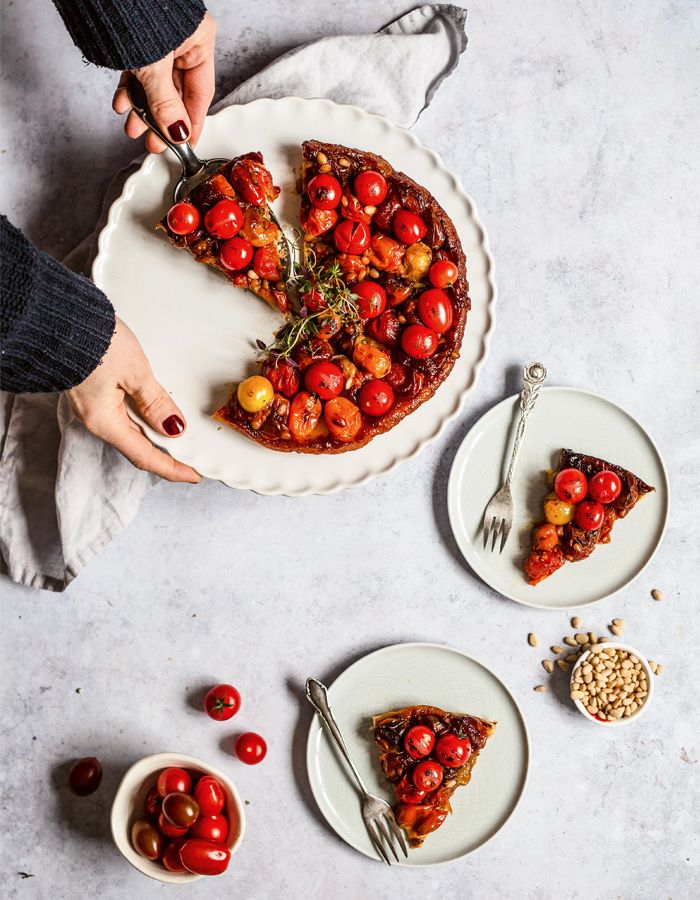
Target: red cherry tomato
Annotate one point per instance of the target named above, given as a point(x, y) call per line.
point(173, 780)
point(211, 828)
point(324, 191)
point(370, 187)
point(385, 328)
point(407, 792)
point(153, 801)
point(180, 809)
point(209, 795)
point(266, 263)
point(222, 702)
point(252, 181)
point(419, 342)
point(183, 218)
point(443, 273)
point(605, 487)
point(324, 379)
point(408, 226)
point(236, 254)
point(314, 300)
point(315, 221)
point(283, 376)
point(376, 397)
point(204, 857)
point(146, 840)
point(452, 751)
point(251, 748)
point(85, 776)
point(571, 485)
point(435, 310)
point(589, 515)
point(224, 219)
point(351, 237)
point(419, 741)
point(371, 299)
point(171, 858)
point(427, 775)
point(168, 829)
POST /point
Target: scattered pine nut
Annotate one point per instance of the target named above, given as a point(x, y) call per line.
point(592, 637)
point(657, 594)
point(616, 630)
point(540, 688)
point(576, 622)
point(555, 648)
point(563, 665)
point(581, 638)
point(532, 640)
point(619, 622)
point(570, 642)
point(548, 665)
point(659, 669)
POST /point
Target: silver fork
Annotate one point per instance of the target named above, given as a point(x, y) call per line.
point(378, 816)
point(498, 515)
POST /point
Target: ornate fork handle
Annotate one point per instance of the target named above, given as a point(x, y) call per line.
point(317, 694)
point(533, 379)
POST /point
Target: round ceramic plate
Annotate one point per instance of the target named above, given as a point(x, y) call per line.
point(563, 418)
point(408, 675)
point(199, 332)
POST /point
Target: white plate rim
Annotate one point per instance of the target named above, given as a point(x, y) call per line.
point(489, 309)
point(452, 511)
point(317, 726)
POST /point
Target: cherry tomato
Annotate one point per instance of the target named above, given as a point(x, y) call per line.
point(589, 515)
point(211, 828)
point(443, 273)
point(85, 776)
point(397, 291)
point(435, 310)
point(146, 840)
point(183, 218)
point(371, 299)
point(419, 342)
point(541, 563)
point(343, 419)
point(171, 858)
point(236, 254)
point(324, 191)
point(351, 208)
point(407, 792)
point(258, 228)
point(204, 857)
point(398, 376)
point(314, 300)
point(417, 261)
point(452, 751)
point(315, 349)
point(328, 325)
point(283, 377)
point(315, 221)
point(173, 780)
point(180, 809)
point(266, 263)
point(221, 702)
point(153, 801)
point(371, 356)
point(571, 485)
point(385, 328)
point(351, 237)
point(427, 775)
point(351, 266)
point(253, 182)
point(419, 741)
point(254, 393)
point(605, 487)
point(375, 397)
point(558, 512)
point(370, 187)
point(224, 219)
point(324, 379)
point(168, 829)
point(209, 795)
point(304, 412)
point(408, 226)
point(546, 536)
point(251, 747)
point(385, 253)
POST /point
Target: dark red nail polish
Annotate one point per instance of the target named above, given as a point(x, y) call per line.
point(178, 131)
point(174, 425)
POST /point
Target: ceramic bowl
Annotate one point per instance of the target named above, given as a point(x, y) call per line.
point(129, 803)
point(625, 720)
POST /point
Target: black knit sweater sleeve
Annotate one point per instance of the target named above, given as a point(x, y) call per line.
point(55, 325)
point(128, 34)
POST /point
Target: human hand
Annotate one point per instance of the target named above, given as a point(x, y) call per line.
point(179, 88)
point(99, 404)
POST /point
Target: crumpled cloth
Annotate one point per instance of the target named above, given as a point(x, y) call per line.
point(64, 494)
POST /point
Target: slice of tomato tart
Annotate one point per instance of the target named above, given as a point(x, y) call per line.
point(225, 222)
point(588, 496)
point(427, 753)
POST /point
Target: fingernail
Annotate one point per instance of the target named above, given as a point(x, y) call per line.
point(174, 425)
point(178, 131)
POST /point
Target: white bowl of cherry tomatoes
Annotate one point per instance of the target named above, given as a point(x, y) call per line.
point(175, 818)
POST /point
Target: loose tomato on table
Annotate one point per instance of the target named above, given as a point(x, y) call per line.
point(351, 237)
point(168, 829)
point(452, 750)
point(204, 857)
point(371, 299)
point(324, 191)
point(589, 515)
point(324, 379)
point(407, 792)
point(183, 218)
point(171, 858)
point(209, 795)
point(315, 221)
point(173, 780)
point(236, 254)
point(283, 376)
point(223, 701)
point(419, 342)
point(85, 776)
point(570, 485)
point(443, 273)
point(224, 219)
point(375, 397)
point(605, 486)
point(146, 840)
point(304, 412)
point(370, 187)
point(435, 310)
point(251, 747)
point(266, 263)
point(211, 828)
point(343, 419)
point(419, 741)
point(427, 775)
point(408, 226)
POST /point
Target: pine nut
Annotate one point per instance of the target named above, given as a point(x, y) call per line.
point(555, 648)
point(657, 594)
point(570, 642)
point(576, 622)
point(616, 630)
point(619, 622)
point(532, 640)
point(548, 665)
point(540, 688)
point(325, 168)
point(321, 158)
point(344, 163)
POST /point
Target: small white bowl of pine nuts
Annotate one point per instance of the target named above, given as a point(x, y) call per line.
point(612, 684)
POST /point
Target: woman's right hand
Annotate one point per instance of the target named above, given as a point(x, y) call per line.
point(99, 402)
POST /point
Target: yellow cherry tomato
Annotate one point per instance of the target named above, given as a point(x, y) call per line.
point(558, 512)
point(255, 393)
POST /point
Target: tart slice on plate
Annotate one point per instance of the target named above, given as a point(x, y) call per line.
point(589, 495)
point(226, 223)
point(427, 753)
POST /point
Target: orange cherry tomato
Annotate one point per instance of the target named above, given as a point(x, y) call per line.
point(371, 356)
point(304, 412)
point(343, 418)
